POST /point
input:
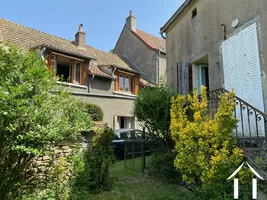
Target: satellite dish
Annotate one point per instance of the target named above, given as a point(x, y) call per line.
point(235, 23)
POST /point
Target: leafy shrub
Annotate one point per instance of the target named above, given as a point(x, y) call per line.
point(95, 111)
point(206, 152)
point(32, 118)
point(162, 167)
point(92, 169)
point(152, 110)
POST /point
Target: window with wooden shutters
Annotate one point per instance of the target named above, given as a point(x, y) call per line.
point(184, 77)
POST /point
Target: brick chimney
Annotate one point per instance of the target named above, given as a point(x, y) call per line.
point(131, 22)
point(80, 38)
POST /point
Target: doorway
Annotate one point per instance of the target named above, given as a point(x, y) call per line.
point(203, 77)
point(201, 74)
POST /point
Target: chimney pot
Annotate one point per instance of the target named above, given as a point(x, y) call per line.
point(131, 22)
point(81, 28)
point(80, 38)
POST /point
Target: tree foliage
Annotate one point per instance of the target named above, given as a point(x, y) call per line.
point(206, 152)
point(152, 110)
point(95, 111)
point(91, 168)
point(35, 113)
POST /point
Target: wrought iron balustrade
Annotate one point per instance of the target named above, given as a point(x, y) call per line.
point(251, 128)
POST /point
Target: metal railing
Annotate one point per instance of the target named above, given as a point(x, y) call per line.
point(251, 128)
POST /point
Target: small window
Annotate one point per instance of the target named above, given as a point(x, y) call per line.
point(194, 13)
point(126, 83)
point(67, 70)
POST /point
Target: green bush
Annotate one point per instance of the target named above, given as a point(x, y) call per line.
point(32, 118)
point(95, 111)
point(91, 170)
point(162, 167)
point(152, 109)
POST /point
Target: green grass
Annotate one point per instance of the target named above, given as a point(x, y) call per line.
point(131, 184)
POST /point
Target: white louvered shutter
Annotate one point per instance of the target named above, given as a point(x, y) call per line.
point(241, 67)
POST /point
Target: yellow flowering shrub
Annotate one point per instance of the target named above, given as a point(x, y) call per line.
point(206, 151)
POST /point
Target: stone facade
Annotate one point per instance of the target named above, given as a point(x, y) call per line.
point(198, 40)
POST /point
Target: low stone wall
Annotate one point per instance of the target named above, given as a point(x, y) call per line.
point(43, 166)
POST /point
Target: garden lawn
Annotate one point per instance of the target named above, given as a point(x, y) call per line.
point(131, 184)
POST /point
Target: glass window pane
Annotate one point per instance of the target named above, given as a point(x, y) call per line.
point(53, 63)
point(78, 73)
point(127, 84)
point(121, 80)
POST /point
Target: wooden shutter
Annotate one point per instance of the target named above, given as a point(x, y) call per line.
point(241, 67)
point(72, 71)
point(136, 84)
point(117, 81)
point(184, 80)
point(190, 77)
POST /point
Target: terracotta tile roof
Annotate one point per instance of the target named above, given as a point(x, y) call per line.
point(94, 69)
point(155, 43)
point(143, 83)
point(26, 38)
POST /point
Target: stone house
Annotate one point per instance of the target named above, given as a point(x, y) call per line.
point(93, 75)
point(147, 52)
point(219, 44)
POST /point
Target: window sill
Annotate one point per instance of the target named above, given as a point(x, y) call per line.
point(72, 85)
point(124, 94)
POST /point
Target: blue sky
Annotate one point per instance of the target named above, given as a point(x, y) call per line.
point(103, 20)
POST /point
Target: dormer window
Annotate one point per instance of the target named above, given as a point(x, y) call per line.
point(68, 69)
point(126, 83)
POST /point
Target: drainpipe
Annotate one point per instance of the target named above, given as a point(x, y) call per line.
point(90, 83)
point(42, 53)
point(224, 31)
point(113, 76)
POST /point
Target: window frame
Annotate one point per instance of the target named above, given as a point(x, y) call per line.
point(75, 71)
point(72, 70)
point(130, 81)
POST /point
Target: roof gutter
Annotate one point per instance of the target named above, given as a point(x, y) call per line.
point(162, 35)
point(177, 14)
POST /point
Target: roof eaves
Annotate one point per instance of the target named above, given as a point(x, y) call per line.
point(58, 50)
point(178, 13)
point(127, 70)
